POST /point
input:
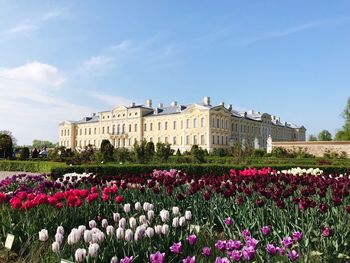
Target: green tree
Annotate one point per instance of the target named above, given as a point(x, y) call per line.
point(197, 154)
point(14, 140)
point(24, 153)
point(312, 138)
point(163, 152)
point(178, 153)
point(140, 151)
point(35, 153)
point(106, 150)
point(42, 144)
point(324, 136)
point(122, 155)
point(6, 146)
point(344, 134)
point(150, 151)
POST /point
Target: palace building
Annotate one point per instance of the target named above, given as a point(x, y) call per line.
point(182, 126)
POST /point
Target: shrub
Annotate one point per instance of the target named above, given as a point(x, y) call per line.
point(258, 153)
point(24, 153)
point(122, 155)
point(163, 152)
point(106, 150)
point(198, 154)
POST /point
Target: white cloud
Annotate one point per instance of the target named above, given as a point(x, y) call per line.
point(22, 28)
point(96, 63)
point(52, 14)
point(122, 45)
point(111, 100)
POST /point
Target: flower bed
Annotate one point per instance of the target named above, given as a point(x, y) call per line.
point(169, 216)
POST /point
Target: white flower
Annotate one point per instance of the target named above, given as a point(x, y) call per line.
point(104, 223)
point(59, 238)
point(92, 224)
point(165, 229)
point(150, 215)
point(127, 208)
point(88, 236)
point(132, 222)
point(188, 215)
point(158, 229)
point(122, 222)
point(175, 222)
point(93, 250)
point(81, 229)
point(73, 237)
point(182, 221)
point(138, 206)
point(129, 235)
point(60, 230)
point(110, 230)
point(146, 206)
point(55, 247)
point(149, 232)
point(114, 260)
point(120, 233)
point(43, 235)
point(116, 217)
point(143, 219)
point(80, 254)
point(164, 215)
point(176, 210)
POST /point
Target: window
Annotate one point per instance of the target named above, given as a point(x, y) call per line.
point(202, 139)
point(174, 140)
point(135, 127)
point(151, 139)
point(166, 125)
point(85, 131)
point(194, 139)
point(89, 131)
point(129, 141)
point(80, 131)
point(226, 124)
point(218, 123)
point(181, 140)
point(222, 123)
point(213, 123)
point(113, 129)
point(202, 122)
point(107, 129)
point(218, 140)
point(118, 129)
point(226, 140)
point(158, 126)
point(95, 130)
point(194, 123)
point(213, 139)
point(182, 124)
point(187, 123)
point(187, 139)
point(166, 140)
point(151, 126)
point(123, 129)
point(174, 125)
point(103, 130)
point(222, 139)
point(129, 127)
point(159, 139)
point(145, 128)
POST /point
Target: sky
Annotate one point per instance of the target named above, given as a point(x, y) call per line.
point(63, 60)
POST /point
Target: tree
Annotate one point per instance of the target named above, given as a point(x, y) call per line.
point(198, 154)
point(140, 151)
point(150, 151)
point(178, 153)
point(14, 140)
point(344, 134)
point(24, 153)
point(106, 150)
point(42, 144)
point(324, 136)
point(312, 138)
point(35, 153)
point(6, 146)
point(163, 151)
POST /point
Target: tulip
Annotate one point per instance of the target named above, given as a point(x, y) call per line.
point(104, 223)
point(206, 251)
point(55, 247)
point(110, 230)
point(129, 235)
point(146, 206)
point(43, 235)
point(127, 208)
point(60, 230)
point(164, 214)
point(293, 255)
point(192, 239)
point(116, 217)
point(92, 224)
point(326, 232)
point(93, 250)
point(143, 219)
point(158, 229)
point(175, 210)
point(248, 253)
point(119, 199)
point(297, 236)
point(122, 222)
point(182, 221)
point(175, 223)
point(222, 260)
point(165, 229)
point(150, 215)
point(80, 254)
point(235, 255)
point(188, 215)
point(189, 259)
point(158, 257)
point(120, 233)
point(114, 260)
point(132, 222)
point(287, 242)
point(245, 233)
point(176, 248)
point(271, 249)
point(126, 260)
point(81, 229)
point(265, 230)
point(138, 206)
point(228, 221)
point(149, 232)
point(59, 238)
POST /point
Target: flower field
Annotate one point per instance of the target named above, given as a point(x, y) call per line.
point(168, 216)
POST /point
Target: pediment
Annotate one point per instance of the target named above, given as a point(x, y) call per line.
point(119, 109)
point(195, 108)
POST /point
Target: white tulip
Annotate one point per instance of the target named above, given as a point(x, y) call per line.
point(59, 238)
point(104, 223)
point(60, 230)
point(81, 229)
point(93, 250)
point(138, 206)
point(88, 236)
point(175, 222)
point(43, 235)
point(182, 221)
point(188, 215)
point(150, 207)
point(116, 217)
point(149, 232)
point(158, 229)
point(143, 219)
point(129, 235)
point(132, 222)
point(146, 206)
point(122, 222)
point(80, 254)
point(114, 260)
point(165, 229)
point(120, 233)
point(92, 224)
point(176, 210)
point(164, 215)
point(150, 215)
point(127, 208)
point(110, 230)
point(55, 247)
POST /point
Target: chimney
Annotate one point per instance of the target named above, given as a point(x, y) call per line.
point(230, 107)
point(160, 105)
point(93, 114)
point(245, 114)
point(174, 104)
point(222, 103)
point(156, 111)
point(206, 101)
point(132, 104)
point(149, 103)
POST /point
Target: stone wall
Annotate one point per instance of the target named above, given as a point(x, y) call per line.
point(316, 148)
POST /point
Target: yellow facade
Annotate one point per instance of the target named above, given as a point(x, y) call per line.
point(181, 126)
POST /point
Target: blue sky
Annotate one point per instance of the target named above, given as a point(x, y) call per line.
point(66, 59)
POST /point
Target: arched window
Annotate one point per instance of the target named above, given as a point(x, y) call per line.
point(135, 127)
point(113, 130)
point(118, 128)
point(123, 129)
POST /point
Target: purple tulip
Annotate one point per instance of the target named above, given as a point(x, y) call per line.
point(265, 230)
point(127, 260)
point(271, 249)
point(176, 248)
point(206, 251)
point(297, 236)
point(192, 239)
point(326, 232)
point(245, 233)
point(189, 259)
point(281, 250)
point(220, 245)
point(233, 245)
point(157, 257)
point(287, 242)
point(293, 255)
point(228, 221)
point(251, 242)
point(235, 255)
point(248, 253)
point(222, 260)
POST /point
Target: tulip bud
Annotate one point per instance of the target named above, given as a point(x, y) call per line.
point(59, 238)
point(116, 217)
point(81, 229)
point(150, 207)
point(55, 247)
point(143, 219)
point(149, 232)
point(60, 230)
point(120, 233)
point(104, 223)
point(127, 208)
point(146, 206)
point(165, 229)
point(182, 221)
point(175, 222)
point(150, 215)
point(92, 224)
point(114, 260)
point(93, 250)
point(188, 215)
point(176, 210)
point(80, 254)
point(132, 222)
point(164, 215)
point(122, 222)
point(128, 235)
point(158, 229)
point(43, 235)
point(138, 206)
point(110, 230)
point(88, 236)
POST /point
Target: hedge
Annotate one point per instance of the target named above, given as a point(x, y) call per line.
point(192, 169)
point(29, 166)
